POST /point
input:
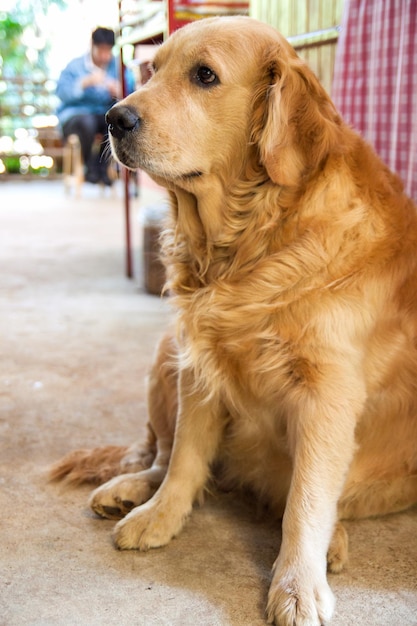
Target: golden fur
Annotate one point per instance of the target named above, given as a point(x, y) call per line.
point(291, 254)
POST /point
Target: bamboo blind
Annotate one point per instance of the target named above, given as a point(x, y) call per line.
point(311, 26)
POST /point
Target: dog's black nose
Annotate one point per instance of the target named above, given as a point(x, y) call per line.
point(122, 120)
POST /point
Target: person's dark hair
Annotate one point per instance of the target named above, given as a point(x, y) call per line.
point(103, 36)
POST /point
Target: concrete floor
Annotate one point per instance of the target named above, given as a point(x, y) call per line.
point(77, 339)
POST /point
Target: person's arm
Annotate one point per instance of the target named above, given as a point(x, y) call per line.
point(69, 87)
point(75, 84)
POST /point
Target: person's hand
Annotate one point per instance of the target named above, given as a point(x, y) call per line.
point(99, 78)
point(95, 79)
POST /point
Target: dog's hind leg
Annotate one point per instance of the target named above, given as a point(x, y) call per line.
point(98, 465)
point(337, 554)
point(379, 497)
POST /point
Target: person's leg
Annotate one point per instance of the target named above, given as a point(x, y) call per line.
point(86, 127)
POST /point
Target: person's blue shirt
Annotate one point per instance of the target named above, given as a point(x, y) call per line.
point(97, 99)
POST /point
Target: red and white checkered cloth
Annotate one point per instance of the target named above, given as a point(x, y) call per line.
point(375, 80)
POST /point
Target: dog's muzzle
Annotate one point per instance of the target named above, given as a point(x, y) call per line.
point(122, 120)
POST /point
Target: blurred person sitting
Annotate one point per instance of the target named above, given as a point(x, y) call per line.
point(87, 87)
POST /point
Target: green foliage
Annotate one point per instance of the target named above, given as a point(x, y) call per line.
point(12, 52)
point(24, 48)
point(16, 58)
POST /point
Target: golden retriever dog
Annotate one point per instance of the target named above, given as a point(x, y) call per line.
point(291, 255)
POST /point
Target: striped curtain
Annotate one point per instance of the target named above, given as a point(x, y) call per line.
point(375, 80)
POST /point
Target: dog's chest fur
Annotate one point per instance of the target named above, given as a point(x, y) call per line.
point(246, 351)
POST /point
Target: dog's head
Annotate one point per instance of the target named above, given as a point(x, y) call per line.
point(225, 91)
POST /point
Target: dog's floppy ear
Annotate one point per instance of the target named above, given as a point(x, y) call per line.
point(295, 123)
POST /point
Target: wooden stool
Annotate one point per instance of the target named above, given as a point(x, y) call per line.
point(73, 165)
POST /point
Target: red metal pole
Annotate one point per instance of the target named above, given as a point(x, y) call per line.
point(128, 234)
point(125, 174)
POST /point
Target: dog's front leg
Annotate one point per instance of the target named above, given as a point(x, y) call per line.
point(322, 442)
point(198, 431)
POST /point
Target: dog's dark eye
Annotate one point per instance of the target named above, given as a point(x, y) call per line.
point(206, 77)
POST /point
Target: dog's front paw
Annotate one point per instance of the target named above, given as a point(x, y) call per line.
point(152, 525)
point(120, 495)
point(299, 600)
